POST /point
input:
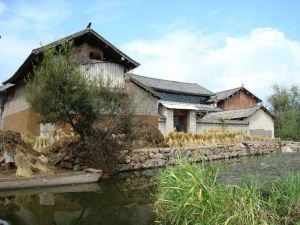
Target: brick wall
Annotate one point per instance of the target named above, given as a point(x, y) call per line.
point(23, 121)
point(150, 120)
point(240, 100)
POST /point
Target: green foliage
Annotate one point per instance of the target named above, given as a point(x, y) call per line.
point(223, 123)
point(285, 104)
point(61, 93)
point(192, 194)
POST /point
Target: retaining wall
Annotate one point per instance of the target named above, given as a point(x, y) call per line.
point(158, 157)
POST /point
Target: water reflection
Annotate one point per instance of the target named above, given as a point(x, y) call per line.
point(124, 200)
point(117, 201)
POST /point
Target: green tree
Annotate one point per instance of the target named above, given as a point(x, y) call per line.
point(63, 94)
point(285, 104)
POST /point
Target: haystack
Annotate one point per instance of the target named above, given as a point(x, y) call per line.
point(26, 159)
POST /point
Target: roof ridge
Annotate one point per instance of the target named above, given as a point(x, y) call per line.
point(257, 106)
point(229, 89)
point(163, 79)
point(86, 30)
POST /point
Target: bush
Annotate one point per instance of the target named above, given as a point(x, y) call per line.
point(192, 194)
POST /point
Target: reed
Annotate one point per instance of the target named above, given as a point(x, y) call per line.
point(192, 194)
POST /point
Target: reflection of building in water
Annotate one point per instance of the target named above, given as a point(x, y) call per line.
point(118, 202)
point(42, 208)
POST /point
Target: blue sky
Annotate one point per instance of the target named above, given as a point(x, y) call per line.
point(218, 44)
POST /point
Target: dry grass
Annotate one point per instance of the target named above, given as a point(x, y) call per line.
point(28, 165)
point(40, 144)
point(210, 137)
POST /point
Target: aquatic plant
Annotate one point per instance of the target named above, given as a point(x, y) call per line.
point(192, 194)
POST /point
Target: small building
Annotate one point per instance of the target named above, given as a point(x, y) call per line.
point(255, 121)
point(177, 104)
point(236, 98)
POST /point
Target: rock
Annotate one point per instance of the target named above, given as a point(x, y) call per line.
point(142, 159)
point(154, 163)
point(77, 161)
point(67, 157)
point(135, 158)
point(158, 156)
point(127, 159)
point(76, 167)
point(188, 153)
point(287, 149)
point(68, 165)
point(152, 155)
point(43, 159)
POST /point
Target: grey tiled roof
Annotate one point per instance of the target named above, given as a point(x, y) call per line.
point(232, 114)
point(83, 33)
point(172, 86)
point(188, 106)
point(6, 86)
point(225, 94)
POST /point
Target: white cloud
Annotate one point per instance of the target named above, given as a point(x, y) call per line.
point(259, 59)
point(24, 26)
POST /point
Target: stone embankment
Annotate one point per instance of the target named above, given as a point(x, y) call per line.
point(159, 157)
point(290, 146)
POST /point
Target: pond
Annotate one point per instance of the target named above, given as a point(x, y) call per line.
point(125, 199)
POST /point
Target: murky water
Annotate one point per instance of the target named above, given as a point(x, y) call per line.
point(123, 200)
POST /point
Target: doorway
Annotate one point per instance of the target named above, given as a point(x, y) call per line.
point(180, 120)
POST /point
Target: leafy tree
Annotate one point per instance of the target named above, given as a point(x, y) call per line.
point(63, 94)
point(285, 104)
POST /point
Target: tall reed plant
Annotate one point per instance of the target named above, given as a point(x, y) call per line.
point(192, 194)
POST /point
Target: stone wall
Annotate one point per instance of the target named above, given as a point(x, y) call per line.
point(290, 146)
point(159, 157)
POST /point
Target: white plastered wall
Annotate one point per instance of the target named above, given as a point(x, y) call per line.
point(202, 127)
point(261, 120)
point(169, 123)
point(191, 123)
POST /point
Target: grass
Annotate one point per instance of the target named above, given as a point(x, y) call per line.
point(209, 137)
point(192, 194)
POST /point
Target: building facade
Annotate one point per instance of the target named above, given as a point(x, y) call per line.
point(236, 98)
point(167, 105)
point(98, 57)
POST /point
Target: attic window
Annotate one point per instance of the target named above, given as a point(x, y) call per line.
point(95, 55)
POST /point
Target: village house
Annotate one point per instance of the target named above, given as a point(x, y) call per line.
point(167, 105)
point(255, 121)
point(236, 98)
point(177, 104)
point(98, 56)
